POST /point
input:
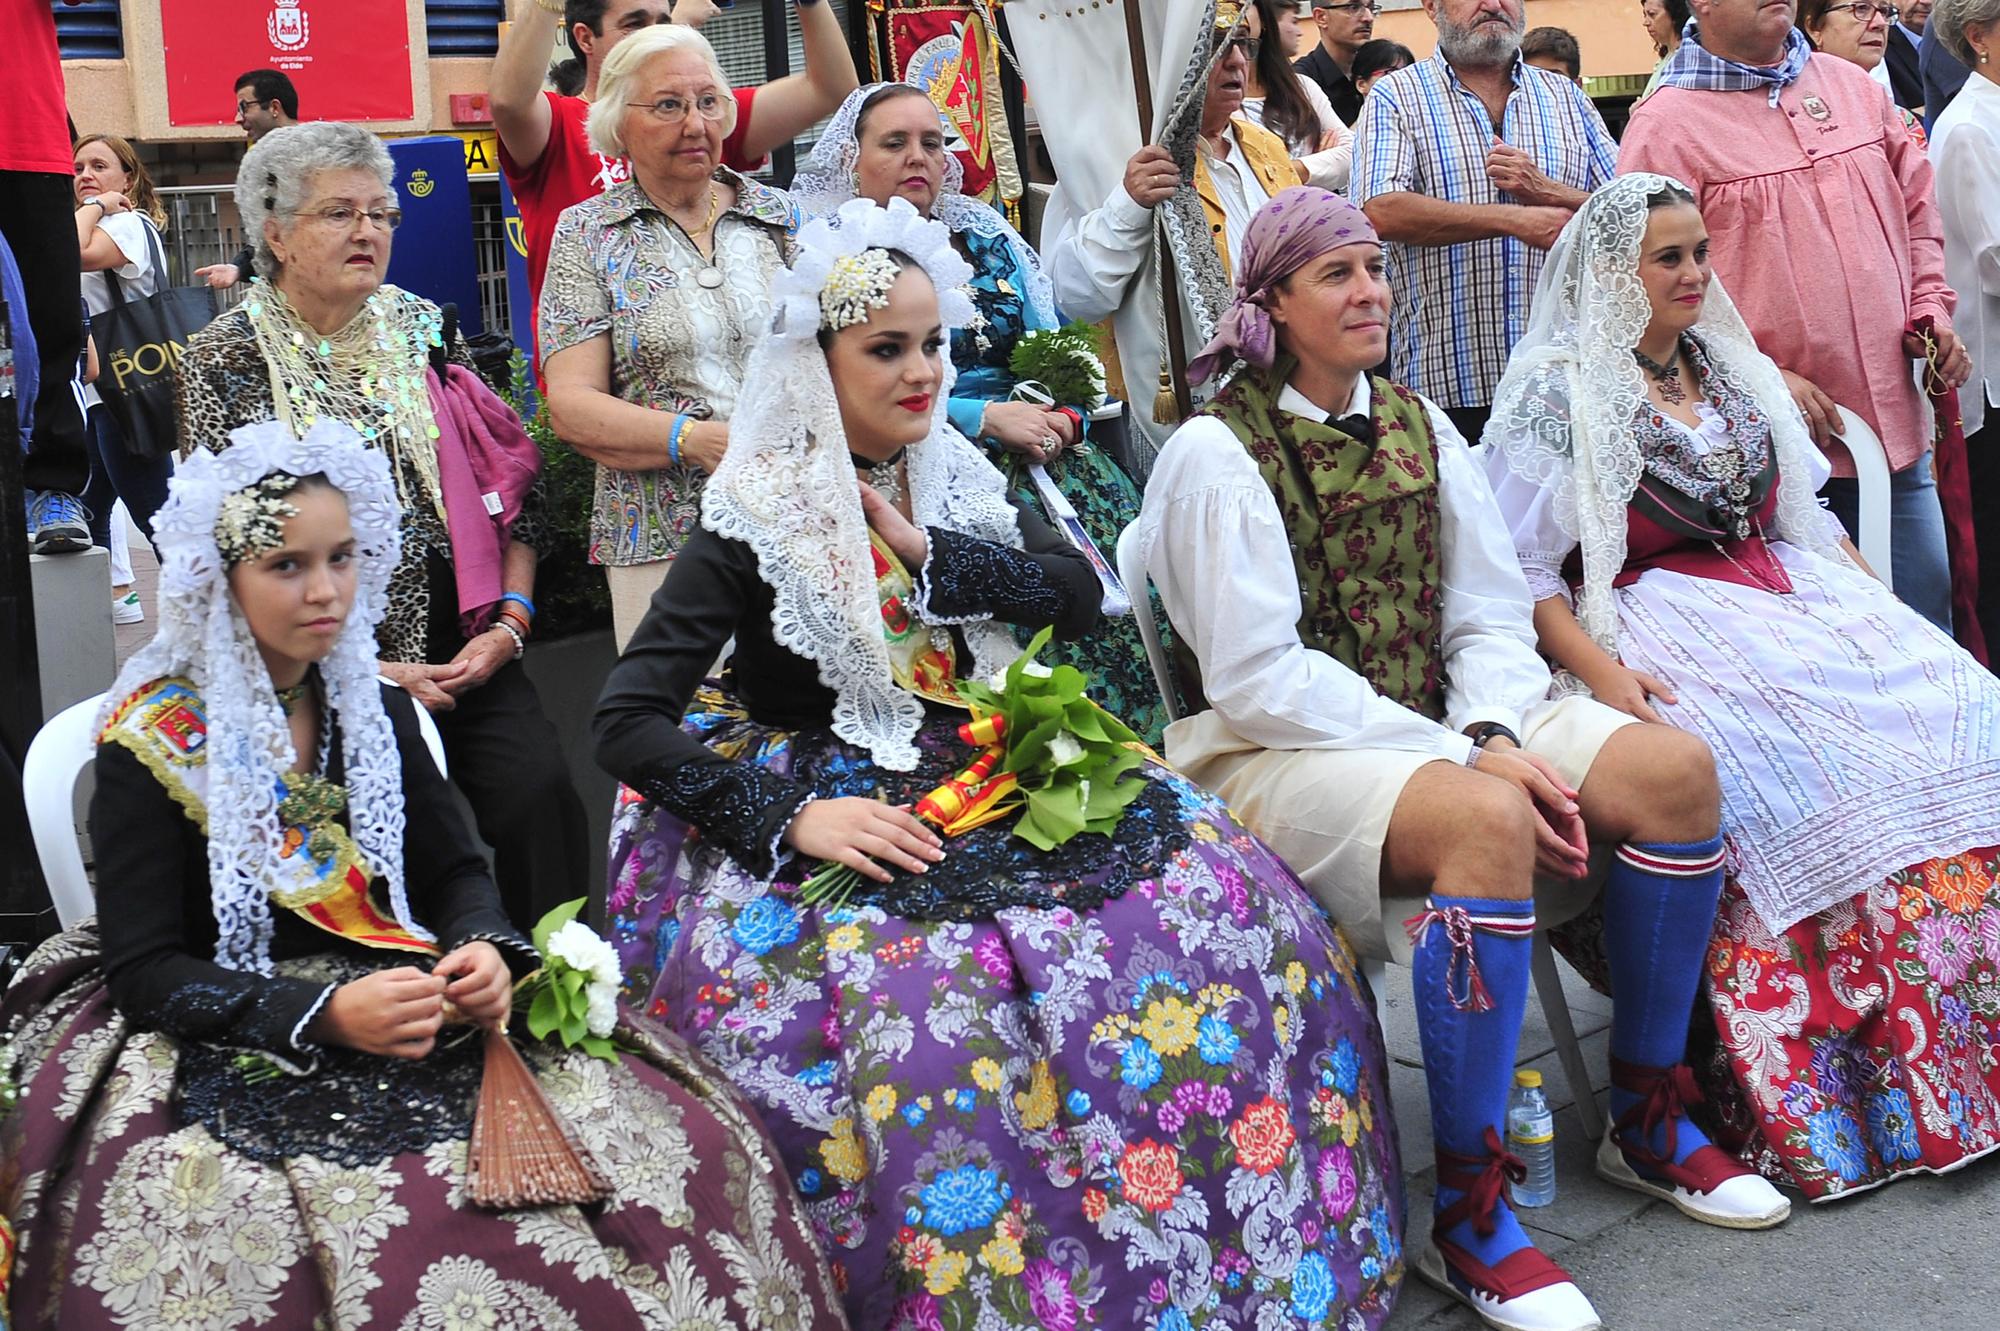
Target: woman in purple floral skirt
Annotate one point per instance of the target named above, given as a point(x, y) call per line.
point(1129, 1082)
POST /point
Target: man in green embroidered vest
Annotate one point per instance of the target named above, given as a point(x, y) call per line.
point(1328, 549)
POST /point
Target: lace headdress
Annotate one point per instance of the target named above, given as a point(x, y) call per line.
point(828, 180)
point(787, 489)
point(1565, 413)
point(203, 636)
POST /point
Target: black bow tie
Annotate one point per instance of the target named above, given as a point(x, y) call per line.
point(1359, 426)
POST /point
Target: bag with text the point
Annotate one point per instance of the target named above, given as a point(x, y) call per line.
point(139, 345)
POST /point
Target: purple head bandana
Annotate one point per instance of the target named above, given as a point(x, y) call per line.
point(1294, 228)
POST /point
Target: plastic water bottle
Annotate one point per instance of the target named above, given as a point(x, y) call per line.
point(1531, 1134)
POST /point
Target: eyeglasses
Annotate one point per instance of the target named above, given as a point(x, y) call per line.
point(243, 108)
point(673, 110)
point(1352, 7)
point(1247, 45)
point(343, 216)
point(1864, 12)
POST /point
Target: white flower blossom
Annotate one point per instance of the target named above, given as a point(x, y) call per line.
point(577, 946)
point(1065, 749)
point(603, 1014)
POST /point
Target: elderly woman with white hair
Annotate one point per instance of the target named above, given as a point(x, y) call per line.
point(322, 337)
point(1965, 152)
point(655, 291)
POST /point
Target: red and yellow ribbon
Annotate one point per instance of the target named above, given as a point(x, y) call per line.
point(980, 794)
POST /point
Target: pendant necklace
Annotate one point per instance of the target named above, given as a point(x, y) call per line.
point(1668, 376)
point(710, 276)
point(886, 477)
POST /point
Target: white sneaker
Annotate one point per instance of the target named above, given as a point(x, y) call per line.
point(1557, 1307)
point(127, 610)
point(1734, 1198)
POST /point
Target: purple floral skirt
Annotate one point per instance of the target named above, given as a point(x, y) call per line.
point(1170, 1110)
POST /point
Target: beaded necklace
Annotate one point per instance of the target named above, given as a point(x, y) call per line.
point(368, 375)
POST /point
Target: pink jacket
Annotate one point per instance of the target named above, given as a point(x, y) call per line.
point(1824, 229)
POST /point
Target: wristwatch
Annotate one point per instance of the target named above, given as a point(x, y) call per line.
point(1484, 731)
point(99, 202)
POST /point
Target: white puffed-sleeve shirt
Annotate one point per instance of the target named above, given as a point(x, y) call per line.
point(1216, 548)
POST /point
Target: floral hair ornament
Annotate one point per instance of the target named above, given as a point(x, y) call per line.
point(843, 269)
point(857, 287)
point(252, 520)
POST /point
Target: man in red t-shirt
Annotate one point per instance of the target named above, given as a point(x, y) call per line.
point(544, 151)
point(38, 217)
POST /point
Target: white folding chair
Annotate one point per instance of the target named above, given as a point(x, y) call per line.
point(62, 751)
point(1542, 960)
point(1871, 473)
point(1138, 586)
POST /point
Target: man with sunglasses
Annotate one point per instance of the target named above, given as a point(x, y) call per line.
point(265, 100)
point(1343, 26)
point(1098, 260)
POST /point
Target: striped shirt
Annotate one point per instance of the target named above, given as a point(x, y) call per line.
point(1461, 308)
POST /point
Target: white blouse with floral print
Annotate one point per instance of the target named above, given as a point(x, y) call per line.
point(618, 267)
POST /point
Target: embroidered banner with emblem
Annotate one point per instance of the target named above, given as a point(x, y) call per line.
point(327, 882)
point(952, 50)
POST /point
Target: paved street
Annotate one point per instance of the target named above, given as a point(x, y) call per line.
point(1919, 1256)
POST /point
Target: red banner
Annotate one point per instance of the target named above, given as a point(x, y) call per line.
point(350, 59)
point(945, 47)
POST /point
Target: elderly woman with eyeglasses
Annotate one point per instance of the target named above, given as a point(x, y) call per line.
point(1859, 34)
point(322, 337)
point(655, 291)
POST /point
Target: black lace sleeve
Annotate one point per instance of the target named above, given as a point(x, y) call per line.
point(158, 935)
point(1049, 581)
point(740, 807)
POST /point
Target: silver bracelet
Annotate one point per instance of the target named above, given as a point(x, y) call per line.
point(520, 643)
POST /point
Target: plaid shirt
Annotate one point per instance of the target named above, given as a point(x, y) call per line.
point(1461, 308)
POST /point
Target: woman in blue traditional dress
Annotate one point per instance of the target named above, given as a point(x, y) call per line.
point(887, 141)
point(1131, 1081)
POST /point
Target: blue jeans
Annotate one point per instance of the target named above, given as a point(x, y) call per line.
point(116, 473)
point(1918, 564)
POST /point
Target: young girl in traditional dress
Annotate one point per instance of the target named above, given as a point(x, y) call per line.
point(245, 1091)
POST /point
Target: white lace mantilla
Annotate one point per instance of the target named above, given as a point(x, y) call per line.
point(1563, 414)
point(828, 180)
point(203, 636)
point(786, 487)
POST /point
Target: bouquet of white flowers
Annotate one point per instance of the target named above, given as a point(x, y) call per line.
point(574, 996)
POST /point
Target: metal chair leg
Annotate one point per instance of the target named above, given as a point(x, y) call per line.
point(1555, 1008)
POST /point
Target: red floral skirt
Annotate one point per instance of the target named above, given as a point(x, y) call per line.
point(1859, 1045)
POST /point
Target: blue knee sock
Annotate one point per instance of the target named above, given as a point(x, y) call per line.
point(1659, 911)
point(1470, 996)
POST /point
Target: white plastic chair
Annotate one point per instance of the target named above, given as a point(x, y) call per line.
point(61, 752)
point(1871, 472)
point(1132, 572)
point(1542, 959)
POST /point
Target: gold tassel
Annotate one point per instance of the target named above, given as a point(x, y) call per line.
point(522, 1153)
point(1166, 404)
